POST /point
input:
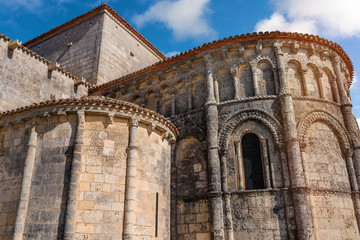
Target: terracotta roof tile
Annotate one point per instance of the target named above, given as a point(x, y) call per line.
point(242, 38)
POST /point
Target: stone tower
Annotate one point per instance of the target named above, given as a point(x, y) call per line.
point(258, 141)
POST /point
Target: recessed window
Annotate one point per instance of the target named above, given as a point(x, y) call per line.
point(252, 162)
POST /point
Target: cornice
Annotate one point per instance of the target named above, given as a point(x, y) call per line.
point(233, 39)
point(92, 104)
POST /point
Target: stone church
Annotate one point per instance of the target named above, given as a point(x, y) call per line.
point(247, 137)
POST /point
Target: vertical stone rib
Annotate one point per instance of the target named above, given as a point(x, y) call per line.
point(255, 81)
point(302, 211)
point(189, 99)
point(240, 165)
point(228, 211)
point(74, 179)
point(25, 186)
point(130, 186)
point(213, 156)
point(235, 76)
point(353, 160)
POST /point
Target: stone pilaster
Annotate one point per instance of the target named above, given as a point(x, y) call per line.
point(26, 185)
point(255, 80)
point(235, 76)
point(173, 202)
point(353, 160)
point(130, 185)
point(228, 223)
point(189, 99)
point(216, 203)
point(298, 187)
point(349, 119)
point(74, 179)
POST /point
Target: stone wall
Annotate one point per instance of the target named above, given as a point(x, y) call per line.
point(98, 47)
point(76, 48)
point(251, 83)
point(25, 79)
point(85, 178)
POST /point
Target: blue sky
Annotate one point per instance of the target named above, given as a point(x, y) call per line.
point(178, 25)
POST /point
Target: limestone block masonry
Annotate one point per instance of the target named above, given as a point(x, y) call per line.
point(247, 137)
point(85, 172)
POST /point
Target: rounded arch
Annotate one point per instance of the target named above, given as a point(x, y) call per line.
point(191, 131)
point(249, 114)
point(225, 85)
point(245, 80)
point(255, 62)
point(309, 119)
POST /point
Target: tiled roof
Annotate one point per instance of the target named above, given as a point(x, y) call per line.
point(238, 38)
point(90, 13)
point(92, 102)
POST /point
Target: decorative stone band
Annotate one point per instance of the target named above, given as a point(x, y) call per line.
point(95, 104)
point(281, 36)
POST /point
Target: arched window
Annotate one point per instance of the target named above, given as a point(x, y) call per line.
point(252, 162)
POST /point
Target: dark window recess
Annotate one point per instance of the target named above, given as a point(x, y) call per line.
point(254, 177)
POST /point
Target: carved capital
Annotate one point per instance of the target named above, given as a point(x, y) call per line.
point(277, 48)
point(234, 71)
point(295, 47)
point(259, 48)
point(134, 121)
point(224, 53)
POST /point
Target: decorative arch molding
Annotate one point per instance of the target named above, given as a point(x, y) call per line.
point(257, 60)
point(191, 131)
point(340, 131)
point(249, 114)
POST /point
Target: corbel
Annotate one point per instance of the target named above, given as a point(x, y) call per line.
point(324, 55)
point(53, 66)
point(161, 76)
point(148, 81)
point(79, 81)
point(259, 48)
point(175, 70)
point(137, 86)
point(150, 128)
point(47, 116)
point(190, 65)
point(61, 113)
point(13, 44)
point(111, 116)
point(242, 51)
point(311, 50)
point(224, 53)
point(295, 47)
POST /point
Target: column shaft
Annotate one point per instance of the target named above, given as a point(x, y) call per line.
point(300, 197)
point(25, 186)
point(216, 203)
point(130, 185)
point(74, 179)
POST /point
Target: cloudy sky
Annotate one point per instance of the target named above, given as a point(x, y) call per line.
point(175, 26)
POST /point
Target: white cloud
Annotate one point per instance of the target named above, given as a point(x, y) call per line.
point(30, 5)
point(185, 18)
point(170, 54)
point(278, 22)
point(331, 18)
point(355, 82)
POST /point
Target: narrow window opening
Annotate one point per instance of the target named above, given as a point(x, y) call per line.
point(252, 160)
point(157, 215)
